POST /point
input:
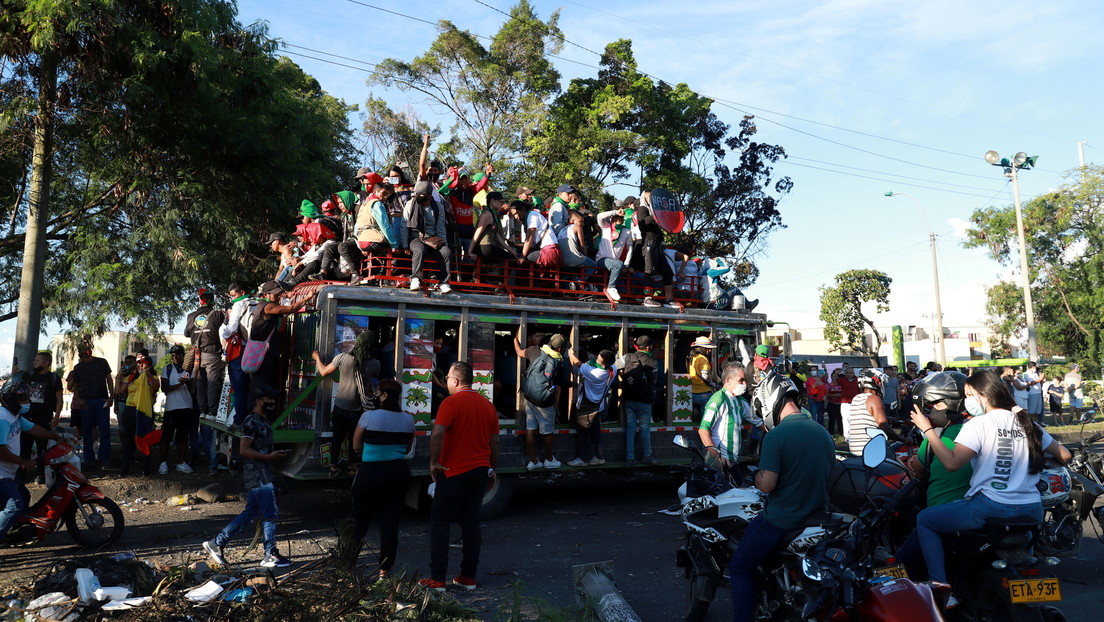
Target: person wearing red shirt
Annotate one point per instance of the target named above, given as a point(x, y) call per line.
point(460, 189)
point(463, 453)
point(817, 389)
point(832, 404)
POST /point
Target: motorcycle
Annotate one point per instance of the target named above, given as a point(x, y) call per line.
point(92, 519)
point(846, 572)
point(1069, 493)
point(714, 525)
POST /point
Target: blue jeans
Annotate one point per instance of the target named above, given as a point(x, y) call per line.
point(759, 540)
point(958, 516)
point(207, 439)
point(638, 416)
point(699, 401)
point(239, 382)
point(94, 415)
point(614, 267)
point(14, 499)
point(261, 502)
point(816, 408)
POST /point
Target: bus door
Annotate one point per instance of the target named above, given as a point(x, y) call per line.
point(682, 408)
point(661, 346)
point(487, 342)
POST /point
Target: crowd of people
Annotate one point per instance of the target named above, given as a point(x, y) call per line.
point(453, 215)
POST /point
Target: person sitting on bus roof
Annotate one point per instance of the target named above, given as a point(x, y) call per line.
point(512, 223)
point(460, 189)
point(647, 254)
point(614, 247)
point(559, 211)
point(427, 234)
point(487, 241)
point(285, 248)
point(315, 233)
point(532, 201)
point(540, 234)
point(373, 229)
point(573, 247)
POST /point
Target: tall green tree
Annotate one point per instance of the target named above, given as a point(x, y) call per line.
point(841, 309)
point(1064, 231)
point(179, 140)
point(496, 94)
point(393, 136)
point(624, 127)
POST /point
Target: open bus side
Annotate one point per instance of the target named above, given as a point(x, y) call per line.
point(479, 329)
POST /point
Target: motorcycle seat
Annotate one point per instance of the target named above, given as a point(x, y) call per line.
point(1002, 526)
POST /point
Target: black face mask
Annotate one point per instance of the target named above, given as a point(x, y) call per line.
point(269, 407)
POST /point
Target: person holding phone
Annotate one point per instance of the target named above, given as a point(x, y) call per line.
point(257, 452)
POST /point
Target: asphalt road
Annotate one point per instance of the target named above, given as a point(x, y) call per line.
point(553, 524)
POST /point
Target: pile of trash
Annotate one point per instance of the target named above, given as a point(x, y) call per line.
point(122, 587)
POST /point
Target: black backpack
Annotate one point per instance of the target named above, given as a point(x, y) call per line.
point(638, 379)
point(538, 384)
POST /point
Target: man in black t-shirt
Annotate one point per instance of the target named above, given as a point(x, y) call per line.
point(90, 382)
point(46, 403)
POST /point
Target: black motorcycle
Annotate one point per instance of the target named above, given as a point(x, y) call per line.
point(1069, 494)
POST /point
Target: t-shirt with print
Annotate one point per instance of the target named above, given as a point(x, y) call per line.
point(348, 393)
point(699, 366)
point(596, 383)
point(945, 486)
point(179, 398)
point(801, 452)
point(536, 220)
point(470, 421)
point(12, 427)
point(43, 394)
point(1001, 463)
point(257, 473)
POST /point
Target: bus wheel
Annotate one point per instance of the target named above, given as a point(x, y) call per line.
point(497, 498)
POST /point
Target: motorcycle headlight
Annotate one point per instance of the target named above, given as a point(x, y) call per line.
point(811, 569)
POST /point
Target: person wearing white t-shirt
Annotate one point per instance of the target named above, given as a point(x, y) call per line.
point(1006, 452)
point(1034, 381)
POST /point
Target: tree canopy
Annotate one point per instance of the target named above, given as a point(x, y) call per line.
point(181, 140)
point(1064, 232)
point(841, 309)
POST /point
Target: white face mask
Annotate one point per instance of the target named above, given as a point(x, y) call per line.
point(740, 389)
point(394, 181)
point(974, 407)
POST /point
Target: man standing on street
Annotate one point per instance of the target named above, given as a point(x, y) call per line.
point(202, 327)
point(463, 454)
point(46, 403)
point(90, 382)
point(723, 418)
point(1075, 390)
point(793, 470)
point(1034, 381)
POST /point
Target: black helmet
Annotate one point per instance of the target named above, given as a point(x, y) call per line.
point(770, 395)
point(948, 386)
point(15, 390)
point(873, 379)
point(176, 349)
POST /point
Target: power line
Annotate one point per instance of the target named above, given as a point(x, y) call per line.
point(855, 168)
point(355, 60)
point(888, 181)
point(327, 61)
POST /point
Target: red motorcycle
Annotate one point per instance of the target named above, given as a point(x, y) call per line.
point(91, 518)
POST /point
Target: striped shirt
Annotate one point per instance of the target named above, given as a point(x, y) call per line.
point(386, 435)
point(859, 420)
point(722, 417)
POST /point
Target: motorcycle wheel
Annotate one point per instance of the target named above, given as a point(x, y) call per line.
point(102, 526)
point(699, 597)
point(993, 605)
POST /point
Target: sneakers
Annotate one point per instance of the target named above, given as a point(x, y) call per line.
point(163, 469)
point(613, 293)
point(651, 303)
point(578, 462)
point(674, 304)
point(552, 464)
point(183, 468)
point(468, 583)
point(275, 560)
point(596, 461)
point(444, 288)
point(751, 304)
point(415, 284)
point(631, 462)
point(215, 552)
point(436, 586)
point(535, 466)
point(648, 460)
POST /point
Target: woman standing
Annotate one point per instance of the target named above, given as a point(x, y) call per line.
point(817, 389)
point(1005, 450)
point(834, 394)
point(383, 437)
point(137, 417)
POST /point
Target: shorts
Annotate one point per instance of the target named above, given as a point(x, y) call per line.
point(176, 425)
point(540, 418)
point(1077, 402)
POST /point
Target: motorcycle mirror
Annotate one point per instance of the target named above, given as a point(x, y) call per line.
point(681, 442)
point(874, 453)
point(811, 569)
point(875, 433)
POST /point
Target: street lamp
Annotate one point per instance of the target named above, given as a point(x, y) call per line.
point(1020, 161)
point(935, 275)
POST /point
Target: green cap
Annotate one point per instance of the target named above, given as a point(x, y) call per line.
point(761, 350)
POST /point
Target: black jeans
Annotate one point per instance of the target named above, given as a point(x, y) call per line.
point(835, 419)
point(379, 487)
point(351, 252)
point(419, 250)
point(209, 377)
point(456, 500)
point(589, 440)
point(343, 424)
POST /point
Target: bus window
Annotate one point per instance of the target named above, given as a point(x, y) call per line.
point(446, 351)
point(592, 340)
point(481, 354)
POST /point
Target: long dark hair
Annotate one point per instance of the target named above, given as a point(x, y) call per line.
point(992, 386)
point(394, 393)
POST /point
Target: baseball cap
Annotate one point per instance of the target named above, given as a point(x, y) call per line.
point(524, 190)
point(279, 236)
point(557, 341)
point(565, 188)
point(176, 349)
point(762, 350)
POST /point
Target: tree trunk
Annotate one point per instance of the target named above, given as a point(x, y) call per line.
point(29, 321)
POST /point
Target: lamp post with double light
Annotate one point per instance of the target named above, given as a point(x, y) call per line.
point(1020, 161)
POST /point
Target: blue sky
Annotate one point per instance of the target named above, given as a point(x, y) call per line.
point(854, 82)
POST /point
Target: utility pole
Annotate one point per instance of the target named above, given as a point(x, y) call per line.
point(1081, 153)
point(937, 337)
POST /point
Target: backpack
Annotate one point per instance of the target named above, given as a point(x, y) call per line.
point(538, 383)
point(638, 379)
point(245, 322)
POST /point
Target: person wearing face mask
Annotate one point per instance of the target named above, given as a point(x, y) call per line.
point(724, 416)
point(257, 452)
point(426, 234)
point(15, 404)
point(45, 407)
point(1005, 450)
point(373, 230)
point(941, 396)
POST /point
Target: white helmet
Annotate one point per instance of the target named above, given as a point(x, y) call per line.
point(771, 395)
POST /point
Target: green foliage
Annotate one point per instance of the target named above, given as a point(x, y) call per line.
point(1064, 232)
point(841, 309)
point(393, 137)
point(181, 139)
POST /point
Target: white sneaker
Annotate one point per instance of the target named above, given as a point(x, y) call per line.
point(183, 468)
point(415, 284)
point(577, 462)
point(444, 288)
point(552, 464)
point(613, 293)
point(163, 469)
point(651, 303)
point(535, 466)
